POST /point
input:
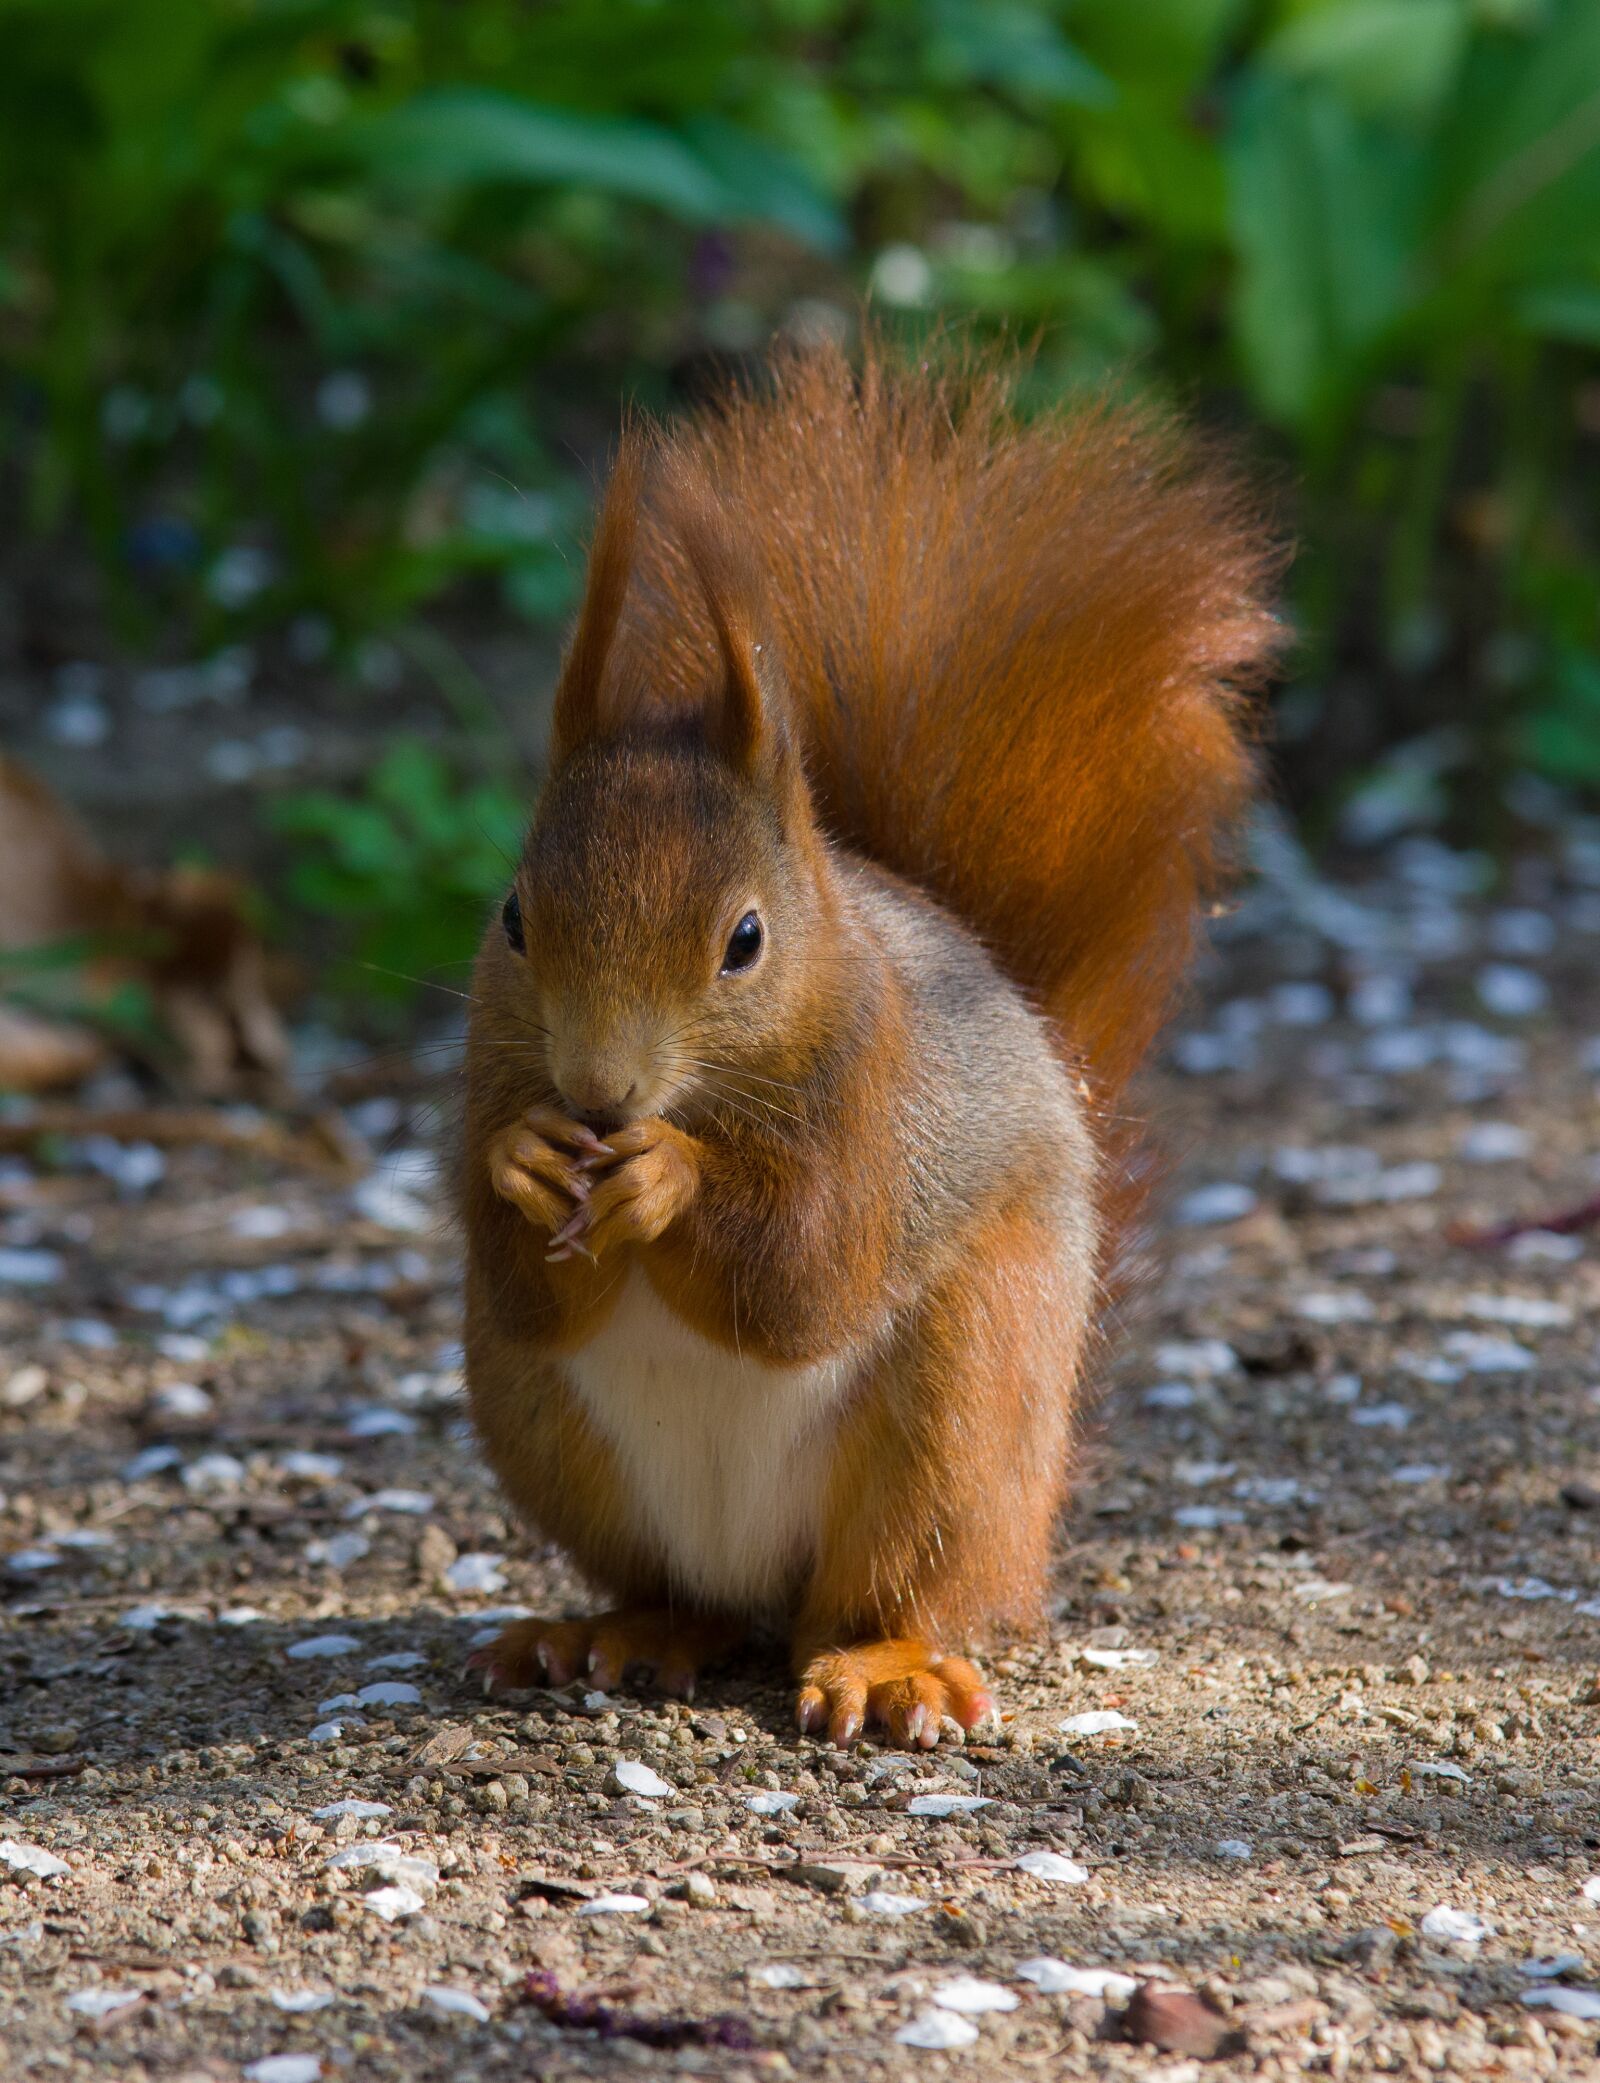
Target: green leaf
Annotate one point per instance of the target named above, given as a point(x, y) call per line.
point(462, 137)
point(990, 43)
point(1518, 160)
point(1172, 45)
point(1323, 211)
point(768, 184)
point(1384, 56)
point(1567, 311)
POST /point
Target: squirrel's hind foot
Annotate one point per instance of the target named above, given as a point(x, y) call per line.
point(902, 1686)
point(649, 1646)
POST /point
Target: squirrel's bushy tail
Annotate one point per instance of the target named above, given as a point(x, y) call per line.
point(1017, 656)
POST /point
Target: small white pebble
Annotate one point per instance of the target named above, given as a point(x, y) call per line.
point(311, 1468)
point(413, 1501)
point(456, 2002)
point(1055, 1978)
point(1385, 1417)
point(284, 2068)
point(322, 1645)
point(476, 1573)
point(1171, 1395)
point(387, 1693)
point(214, 1472)
point(1051, 1866)
point(1557, 1996)
point(1223, 1201)
point(781, 1974)
point(338, 1550)
point(150, 1461)
point(144, 1619)
point(183, 1399)
point(1494, 1142)
point(1099, 1721)
point(1458, 1927)
point(971, 1997)
point(377, 1422)
point(636, 1778)
point(100, 2002)
point(31, 1858)
point(938, 2030)
point(614, 1906)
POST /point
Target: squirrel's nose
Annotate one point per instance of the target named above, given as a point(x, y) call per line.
point(595, 1100)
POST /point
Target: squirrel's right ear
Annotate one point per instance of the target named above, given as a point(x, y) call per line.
point(578, 715)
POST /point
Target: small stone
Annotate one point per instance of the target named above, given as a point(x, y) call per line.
point(827, 1880)
point(316, 1646)
point(781, 1974)
point(1414, 1671)
point(56, 1738)
point(31, 1858)
point(386, 1693)
point(1558, 1996)
point(770, 1803)
point(1051, 1866)
point(700, 1889)
point(630, 1776)
point(1100, 1721)
point(456, 2002)
point(614, 1906)
point(971, 1997)
point(394, 1903)
point(937, 2030)
point(1458, 1927)
point(1056, 1978)
point(476, 1573)
point(1178, 2022)
point(100, 2001)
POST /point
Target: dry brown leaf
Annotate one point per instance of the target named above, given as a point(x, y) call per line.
point(179, 932)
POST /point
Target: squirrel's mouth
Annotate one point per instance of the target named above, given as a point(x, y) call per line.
point(604, 1121)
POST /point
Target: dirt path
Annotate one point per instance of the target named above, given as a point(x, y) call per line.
point(1333, 1560)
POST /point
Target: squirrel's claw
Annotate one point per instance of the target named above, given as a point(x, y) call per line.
point(904, 1687)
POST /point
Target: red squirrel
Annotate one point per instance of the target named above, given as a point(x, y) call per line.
point(894, 756)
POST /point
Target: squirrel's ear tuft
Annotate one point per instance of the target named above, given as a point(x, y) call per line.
point(738, 714)
point(579, 715)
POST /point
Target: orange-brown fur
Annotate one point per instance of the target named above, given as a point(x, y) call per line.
point(956, 708)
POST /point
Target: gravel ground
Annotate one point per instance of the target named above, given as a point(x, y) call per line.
point(1311, 1736)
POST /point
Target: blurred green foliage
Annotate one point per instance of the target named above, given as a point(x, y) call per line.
point(311, 306)
point(408, 866)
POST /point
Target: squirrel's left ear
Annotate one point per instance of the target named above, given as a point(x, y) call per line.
point(739, 717)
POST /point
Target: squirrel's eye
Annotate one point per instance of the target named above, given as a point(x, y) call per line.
point(744, 944)
point(511, 919)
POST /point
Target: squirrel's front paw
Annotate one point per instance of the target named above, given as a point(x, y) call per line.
point(544, 1165)
point(649, 1178)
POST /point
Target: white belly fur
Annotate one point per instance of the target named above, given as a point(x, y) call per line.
point(725, 1458)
